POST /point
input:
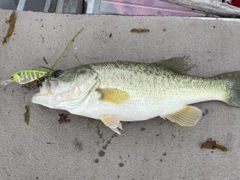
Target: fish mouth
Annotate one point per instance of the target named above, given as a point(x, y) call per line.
point(61, 94)
point(47, 96)
point(47, 88)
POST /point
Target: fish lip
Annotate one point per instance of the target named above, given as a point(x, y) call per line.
point(46, 93)
point(45, 89)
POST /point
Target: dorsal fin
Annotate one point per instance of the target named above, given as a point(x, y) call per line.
point(175, 64)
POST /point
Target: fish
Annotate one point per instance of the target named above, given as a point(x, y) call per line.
point(114, 92)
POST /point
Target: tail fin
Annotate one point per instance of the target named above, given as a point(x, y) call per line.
point(233, 87)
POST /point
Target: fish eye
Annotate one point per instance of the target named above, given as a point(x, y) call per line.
point(57, 73)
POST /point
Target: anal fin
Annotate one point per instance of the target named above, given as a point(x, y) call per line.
point(187, 116)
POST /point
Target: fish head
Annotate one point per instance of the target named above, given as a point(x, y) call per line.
point(66, 88)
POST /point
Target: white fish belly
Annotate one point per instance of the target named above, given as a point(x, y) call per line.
point(129, 110)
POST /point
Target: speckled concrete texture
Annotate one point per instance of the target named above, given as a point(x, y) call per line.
point(154, 149)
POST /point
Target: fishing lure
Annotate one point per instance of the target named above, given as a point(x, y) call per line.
point(28, 76)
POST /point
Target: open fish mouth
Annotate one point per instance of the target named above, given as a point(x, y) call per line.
point(47, 87)
point(47, 95)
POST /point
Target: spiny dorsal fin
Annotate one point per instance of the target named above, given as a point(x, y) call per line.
point(187, 116)
point(175, 64)
point(113, 95)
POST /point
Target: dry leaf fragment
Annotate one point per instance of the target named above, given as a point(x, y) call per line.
point(212, 144)
point(11, 21)
point(139, 30)
point(45, 60)
point(26, 115)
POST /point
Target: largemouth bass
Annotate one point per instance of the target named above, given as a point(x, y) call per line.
point(130, 91)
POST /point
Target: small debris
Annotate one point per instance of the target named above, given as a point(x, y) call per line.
point(139, 30)
point(45, 60)
point(110, 35)
point(77, 144)
point(63, 118)
point(26, 115)
point(11, 21)
point(212, 144)
point(50, 143)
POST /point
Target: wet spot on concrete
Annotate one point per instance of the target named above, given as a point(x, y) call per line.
point(118, 176)
point(96, 160)
point(164, 154)
point(205, 112)
point(160, 160)
point(104, 147)
point(121, 164)
point(142, 129)
point(109, 141)
point(157, 135)
point(99, 134)
point(36, 177)
point(173, 136)
point(145, 160)
point(212, 151)
point(101, 153)
point(214, 26)
point(128, 155)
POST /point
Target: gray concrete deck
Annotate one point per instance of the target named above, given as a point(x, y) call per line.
point(154, 149)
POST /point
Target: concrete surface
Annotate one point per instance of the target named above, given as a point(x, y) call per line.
point(154, 149)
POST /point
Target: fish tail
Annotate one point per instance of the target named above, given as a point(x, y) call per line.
point(233, 88)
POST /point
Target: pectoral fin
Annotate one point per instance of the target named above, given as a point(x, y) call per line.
point(111, 122)
point(187, 116)
point(113, 95)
